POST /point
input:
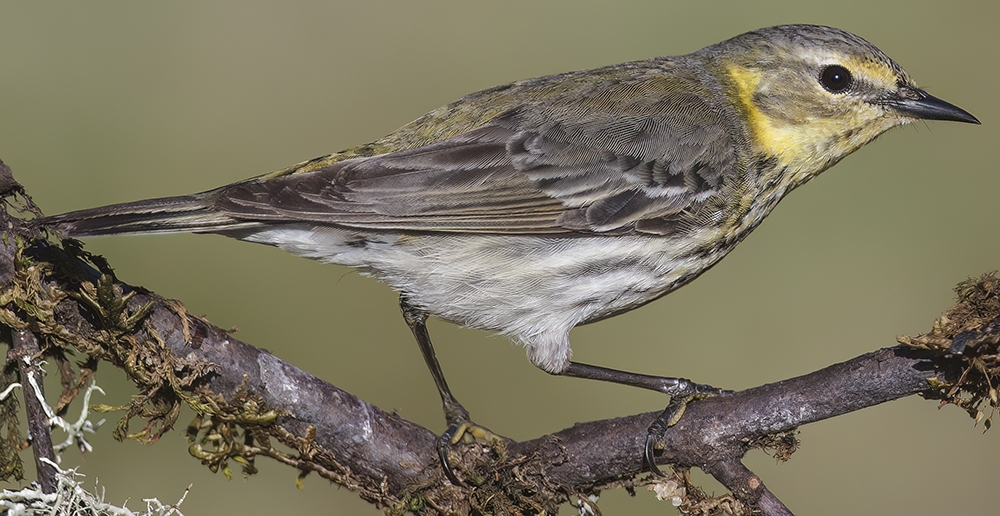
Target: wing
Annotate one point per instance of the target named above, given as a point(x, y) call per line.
point(619, 156)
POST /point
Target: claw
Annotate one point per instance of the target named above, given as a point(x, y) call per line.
point(651, 444)
point(444, 444)
point(465, 432)
point(654, 435)
point(668, 418)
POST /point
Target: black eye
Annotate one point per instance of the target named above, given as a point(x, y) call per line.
point(835, 78)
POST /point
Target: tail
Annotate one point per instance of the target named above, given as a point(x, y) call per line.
point(184, 214)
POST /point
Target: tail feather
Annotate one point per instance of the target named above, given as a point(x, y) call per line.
point(183, 214)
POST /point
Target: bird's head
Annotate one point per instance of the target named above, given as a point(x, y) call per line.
point(811, 95)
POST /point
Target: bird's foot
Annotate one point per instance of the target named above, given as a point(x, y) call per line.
point(464, 432)
point(655, 435)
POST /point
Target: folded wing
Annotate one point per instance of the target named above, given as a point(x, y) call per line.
point(619, 159)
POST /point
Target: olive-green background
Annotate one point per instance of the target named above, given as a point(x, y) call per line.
point(103, 102)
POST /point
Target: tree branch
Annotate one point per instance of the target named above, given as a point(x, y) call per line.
point(247, 398)
point(25, 351)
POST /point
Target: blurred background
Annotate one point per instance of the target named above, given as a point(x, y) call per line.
point(103, 102)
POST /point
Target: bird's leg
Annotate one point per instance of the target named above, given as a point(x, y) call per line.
point(416, 319)
point(681, 391)
point(460, 427)
point(676, 387)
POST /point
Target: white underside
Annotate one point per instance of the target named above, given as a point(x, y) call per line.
point(531, 289)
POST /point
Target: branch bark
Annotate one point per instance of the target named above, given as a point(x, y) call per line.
point(25, 351)
point(246, 398)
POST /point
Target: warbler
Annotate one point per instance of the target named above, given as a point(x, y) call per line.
point(533, 207)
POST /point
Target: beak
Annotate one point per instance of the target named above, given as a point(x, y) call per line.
point(918, 103)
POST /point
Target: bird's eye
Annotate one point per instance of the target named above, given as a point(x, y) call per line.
point(835, 78)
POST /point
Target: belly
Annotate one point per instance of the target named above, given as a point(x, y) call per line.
point(519, 286)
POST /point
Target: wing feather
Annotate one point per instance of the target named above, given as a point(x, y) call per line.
point(625, 153)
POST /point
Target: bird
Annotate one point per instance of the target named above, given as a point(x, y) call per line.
point(531, 208)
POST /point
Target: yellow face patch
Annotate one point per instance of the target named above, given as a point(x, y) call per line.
point(806, 148)
point(780, 141)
